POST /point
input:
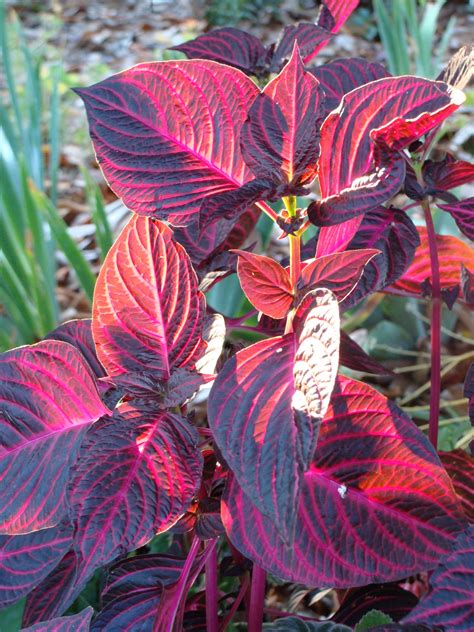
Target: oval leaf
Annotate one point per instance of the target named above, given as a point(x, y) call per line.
point(266, 404)
point(138, 473)
point(280, 138)
point(166, 134)
point(376, 504)
point(148, 312)
point(79, 334)
point(463, 214)
point(266, 283)
point(25, 560)
point(48, 399)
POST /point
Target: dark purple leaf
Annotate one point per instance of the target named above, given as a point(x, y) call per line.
point(25, 560)
point(229, 46)
point(376, 504)
point(340, 76)
point(75, 623)
point(390, 112)
point(55, 593)
point(364, 194)
point(148, 312)
point(388, 598)
point(266, 284)
point(232, 204)
point(204, 246)
point(449, 602)
point(138, 473)
point(392, 233)
point(280, 138)
point(338, 272)
point(48, 400)
point(79, 334)
point(268, 441)
point(309, 37)
point(166, 134)
point(447, 174)
point(354, 357)
point(460, 467)
point(463, 214)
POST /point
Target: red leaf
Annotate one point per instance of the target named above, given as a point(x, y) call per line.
point(148, 312)
point(280, 138)
point(340, 76)
point(75, 623)
point(463, 214)
point(338, 272)
point(166, 134)
point(460, 467)
point(448, 173)
point(266, 404)
point(387, 598)
point(266, 283)
point(25, 560)
point(449, 602)
point(230, 46)
point(138, 473)
point(393, 111)
point(354, 357)
point(452, 252)
point(48, 399)
point(376, 504)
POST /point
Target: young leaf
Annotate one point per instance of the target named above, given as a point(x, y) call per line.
point(391, 112)
point(48, 400)
point(452, 253)
point(449, 602)
point(460, 467)
point(148, 312)
point(138, 473)
point(463, 214)
point(75, 623)
point(340, 11)
point(376, 504)
point(25, 560)
point(280, 138)
point(229, 46)
point(166, 134)
point(268, 441)
point(340, 76)
point(265, 283)
point(338, 272)
point(309, 38)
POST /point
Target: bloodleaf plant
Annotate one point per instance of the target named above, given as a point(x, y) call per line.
point(281, 464)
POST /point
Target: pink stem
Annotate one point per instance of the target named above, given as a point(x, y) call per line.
point(257, 599)
point(263, 206)
point(435, 327)
point(212, 621)
point(230, 615)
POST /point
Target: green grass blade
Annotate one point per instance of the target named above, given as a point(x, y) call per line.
point(99, 216)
